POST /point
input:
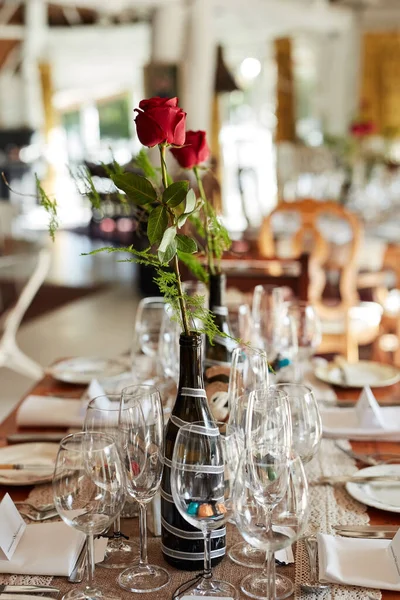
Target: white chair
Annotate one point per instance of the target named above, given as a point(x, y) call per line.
point(11, 356)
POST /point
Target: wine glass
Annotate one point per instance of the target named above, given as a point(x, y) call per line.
point(202, 475)
point(308, 329)
point(102, 414)
point(267, 524)
point(88, 492)
point(148, 320)
point(143, 459)
point(306, 419)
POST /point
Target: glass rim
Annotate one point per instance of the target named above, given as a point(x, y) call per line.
point(136, 388)
point(82, 434)
point(91, 405)
point(293, 385)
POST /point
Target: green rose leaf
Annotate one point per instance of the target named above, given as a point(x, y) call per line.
point(138, 189)
point(186, 244)
point(157, 224)
point(168, 237)
point(169, 253)
point(176, 193)
point(190, 202)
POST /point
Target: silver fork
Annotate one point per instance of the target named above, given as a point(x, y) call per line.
point(39, 515)
point(35, 507)
point(369, 459)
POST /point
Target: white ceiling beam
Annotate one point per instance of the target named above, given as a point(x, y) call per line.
point(8, 10)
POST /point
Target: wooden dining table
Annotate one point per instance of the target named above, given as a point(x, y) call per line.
point(386, 395)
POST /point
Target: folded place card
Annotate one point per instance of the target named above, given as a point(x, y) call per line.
point(49, 549)
point(368, 411)
point(12, 527)
point(48, 411)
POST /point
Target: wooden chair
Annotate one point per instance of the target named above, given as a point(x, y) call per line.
point(332, 237)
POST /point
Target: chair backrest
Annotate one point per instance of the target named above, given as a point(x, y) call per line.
point(330, 234)
point(15, 314)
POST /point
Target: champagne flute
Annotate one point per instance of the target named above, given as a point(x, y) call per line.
point(249, 371)
point(102, 414)
point(148, 320)
point(306, 419)
point(308, 328)
point(88, 492)
point(143, 459)
point(264, 465)
point(202, 476)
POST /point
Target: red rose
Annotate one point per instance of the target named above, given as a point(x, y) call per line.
point(194, 152)
point(160, 120)
point(362, 128)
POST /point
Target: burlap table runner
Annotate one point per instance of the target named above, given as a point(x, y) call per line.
point(226, 570)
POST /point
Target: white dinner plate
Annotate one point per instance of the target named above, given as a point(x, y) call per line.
point(385, 496)
point(358, 375)
point(82, 370)
point(35, 454)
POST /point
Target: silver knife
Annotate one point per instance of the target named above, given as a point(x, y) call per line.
point(394, 528)
point(16, 438)
point(369, 532)
point(29, 589)
point(339, 479)
point(17, 596)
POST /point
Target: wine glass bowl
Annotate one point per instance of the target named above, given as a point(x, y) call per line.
point(88, 492)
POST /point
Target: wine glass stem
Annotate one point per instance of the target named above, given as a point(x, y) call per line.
point(90, 561)
point(270, 568)
point(117, 527)
point(207, 574)
point(143, 534)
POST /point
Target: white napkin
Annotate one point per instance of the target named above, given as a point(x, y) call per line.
point(49, 411)
point(361, 562)
point(49, 549)
point(344, 423)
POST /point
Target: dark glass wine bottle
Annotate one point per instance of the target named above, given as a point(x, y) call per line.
point(218, 355)
point(182, 544)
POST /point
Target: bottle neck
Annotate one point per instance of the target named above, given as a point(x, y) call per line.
point(217, 285)
point(190, 362)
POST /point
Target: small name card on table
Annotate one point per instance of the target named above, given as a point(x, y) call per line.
point(12, 527)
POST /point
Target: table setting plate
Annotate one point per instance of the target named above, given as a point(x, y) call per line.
point(358, 375)
point(81, 370)
point(40, 453)
point(385, 496)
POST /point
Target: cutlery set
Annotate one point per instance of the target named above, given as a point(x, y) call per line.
point(26, 592)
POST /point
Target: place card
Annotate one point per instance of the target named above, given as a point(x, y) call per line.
point(368, 411)
point(12, 527)
point(394, 551)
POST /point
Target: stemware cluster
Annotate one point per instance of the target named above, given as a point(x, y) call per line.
point(248, 471)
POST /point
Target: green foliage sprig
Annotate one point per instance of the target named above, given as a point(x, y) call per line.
point(216, 237)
